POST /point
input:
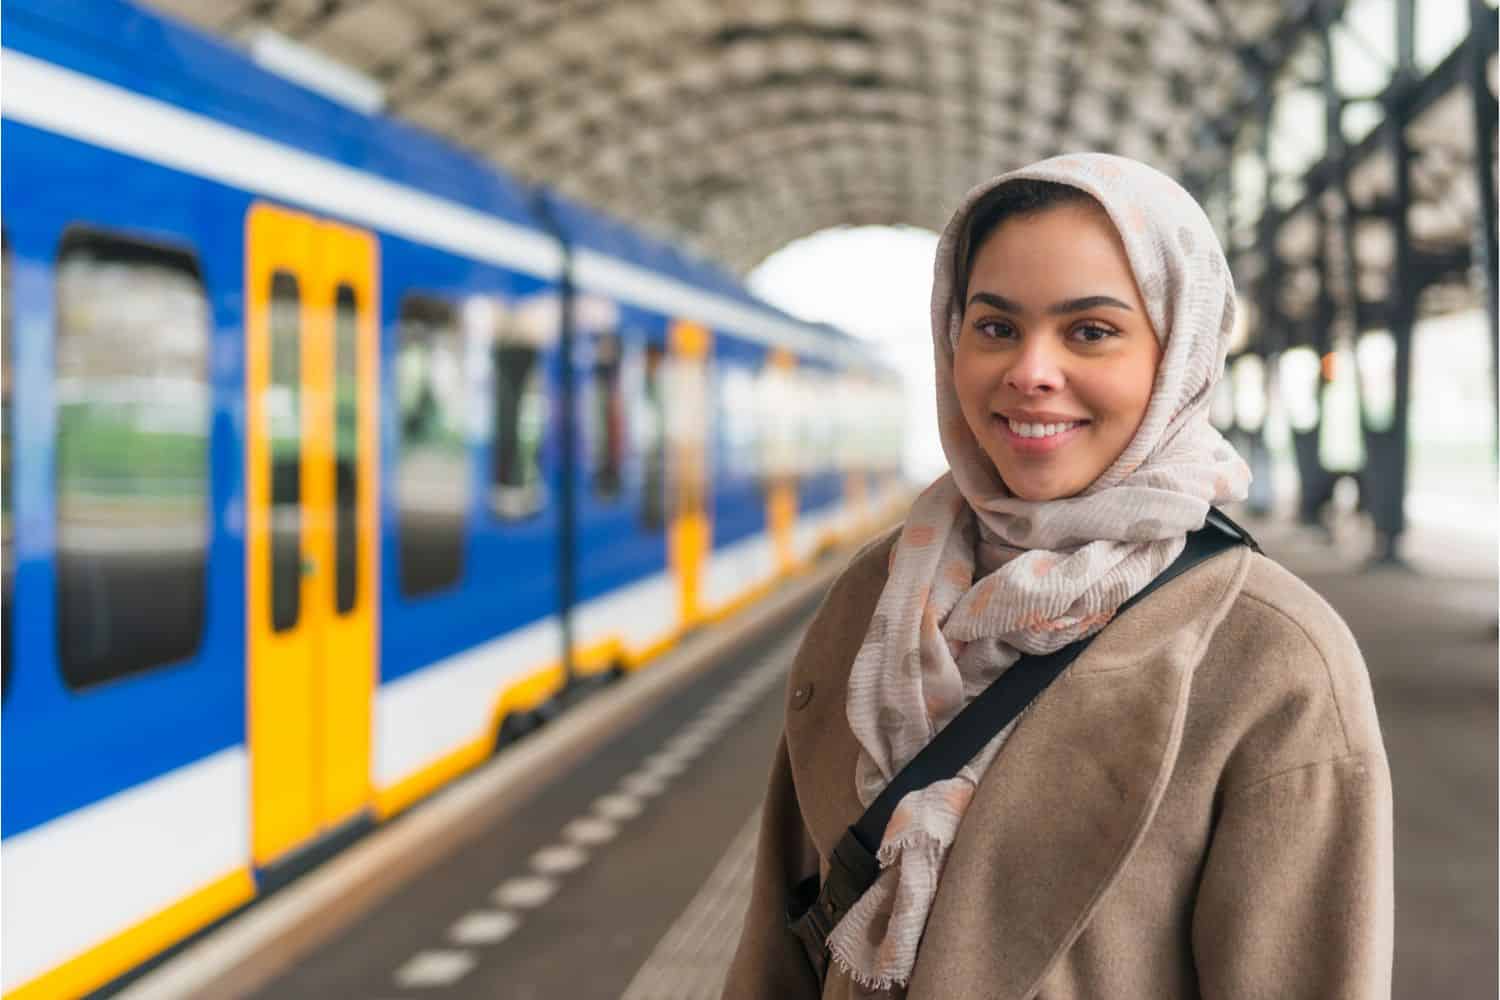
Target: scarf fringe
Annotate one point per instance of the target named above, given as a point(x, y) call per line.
point(889, 853)
point(882, 981)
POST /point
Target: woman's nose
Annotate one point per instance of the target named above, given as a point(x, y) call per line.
point(1034, 368)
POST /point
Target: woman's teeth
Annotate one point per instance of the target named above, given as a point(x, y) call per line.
point(1040, 430)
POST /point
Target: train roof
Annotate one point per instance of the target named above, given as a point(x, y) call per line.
point(154, 56)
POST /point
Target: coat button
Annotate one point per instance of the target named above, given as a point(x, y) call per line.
point(802, 694)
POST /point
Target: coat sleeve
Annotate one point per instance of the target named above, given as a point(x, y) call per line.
point(1296, 897)
point(769, 963)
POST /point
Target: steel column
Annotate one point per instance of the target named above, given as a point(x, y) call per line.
point(1338, 153)
point(1388, 450)
point(1481, 45)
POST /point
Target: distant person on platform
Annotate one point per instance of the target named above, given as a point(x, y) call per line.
point(1200, 805)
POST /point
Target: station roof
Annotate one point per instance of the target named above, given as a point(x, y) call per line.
point(740, 125)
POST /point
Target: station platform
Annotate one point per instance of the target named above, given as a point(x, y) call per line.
point(609, 854)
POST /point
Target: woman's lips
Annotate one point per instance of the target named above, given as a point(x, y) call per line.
point(1036, 445)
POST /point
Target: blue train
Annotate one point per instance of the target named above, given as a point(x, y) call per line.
point(328, 450)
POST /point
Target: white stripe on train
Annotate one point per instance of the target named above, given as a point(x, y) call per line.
point(83, 877)
point(423, 716)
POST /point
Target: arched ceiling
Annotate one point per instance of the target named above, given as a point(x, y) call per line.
point(740, 125)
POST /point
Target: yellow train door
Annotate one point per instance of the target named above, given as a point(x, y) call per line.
point(688, 415)
point(781, 494)
point(312, 355)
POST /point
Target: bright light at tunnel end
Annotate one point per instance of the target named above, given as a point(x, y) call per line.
point(875, 283)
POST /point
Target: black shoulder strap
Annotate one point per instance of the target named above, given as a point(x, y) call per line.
point(1028, 677)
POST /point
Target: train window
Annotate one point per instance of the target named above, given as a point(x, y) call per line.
point(284, 413)
point(7, 490)
point(651, 426)
point(432, 473)
point(739, 423)
point(132, 457)
point(607, 417)
point(778, 446)
point(520, 421)
point(346, 449)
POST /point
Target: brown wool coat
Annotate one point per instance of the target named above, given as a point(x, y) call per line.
point(1199, 807)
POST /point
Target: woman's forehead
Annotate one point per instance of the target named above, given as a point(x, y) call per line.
point(1062, 245)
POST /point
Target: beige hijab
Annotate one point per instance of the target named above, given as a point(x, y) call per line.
point(1048, 572)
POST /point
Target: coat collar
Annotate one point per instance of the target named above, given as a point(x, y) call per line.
point(1067, 799)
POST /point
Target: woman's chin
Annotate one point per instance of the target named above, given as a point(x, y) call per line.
point(1037, 489)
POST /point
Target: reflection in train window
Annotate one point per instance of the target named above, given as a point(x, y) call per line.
point(520, 421)
point(284, 418)
point(432, 473)
point(606, 434)
point(132, 460)
point(651, 442)
point(346, 449)
point(7, 492)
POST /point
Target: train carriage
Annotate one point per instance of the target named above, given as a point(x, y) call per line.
point(329, 453)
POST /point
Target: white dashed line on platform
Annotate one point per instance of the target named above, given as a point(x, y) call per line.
point(645, 785)
point(559, 858)
point(435, 968)
point(484, 927)
point(615, 807)
point(525, 892)
point(666, 764)
point(590, 830)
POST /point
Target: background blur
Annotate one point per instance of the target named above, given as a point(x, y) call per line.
point(384, 380)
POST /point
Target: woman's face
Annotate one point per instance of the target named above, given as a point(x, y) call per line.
point(1056, 356)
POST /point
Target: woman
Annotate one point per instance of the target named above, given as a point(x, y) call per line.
point(1200, 806)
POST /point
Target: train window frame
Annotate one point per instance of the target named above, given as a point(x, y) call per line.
point(105, 661)
point(419, 579)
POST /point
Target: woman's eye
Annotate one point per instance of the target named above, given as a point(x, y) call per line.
point(994, 329)
point(1090, 333)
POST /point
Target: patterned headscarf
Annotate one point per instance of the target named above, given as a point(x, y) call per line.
point(979, 576)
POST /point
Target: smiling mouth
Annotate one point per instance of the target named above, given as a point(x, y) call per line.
point(1038, 438)
point(1041, 430)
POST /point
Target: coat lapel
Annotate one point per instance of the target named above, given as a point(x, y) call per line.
point(1060, 810)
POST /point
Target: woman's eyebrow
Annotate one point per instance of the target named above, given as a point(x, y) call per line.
point(998, 301)
point(1087, 302)
point(1057, 309)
